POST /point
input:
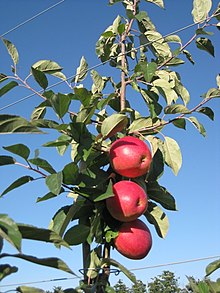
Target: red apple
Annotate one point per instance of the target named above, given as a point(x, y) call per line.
point(129, 201)
point(134, 240)
point(130, 156)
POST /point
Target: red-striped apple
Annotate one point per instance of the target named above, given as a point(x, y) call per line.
point(129, 201)
point(130, 156)
point(134, 240)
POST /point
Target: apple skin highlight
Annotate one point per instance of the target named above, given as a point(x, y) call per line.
point(130, 157)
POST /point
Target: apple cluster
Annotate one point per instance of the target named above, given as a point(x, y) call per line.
point(130, 157)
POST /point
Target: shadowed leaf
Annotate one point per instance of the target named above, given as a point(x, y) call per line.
point(10, 232)
point(11, 50)
point(17, 183)
point(19, 149)
point(52, 262)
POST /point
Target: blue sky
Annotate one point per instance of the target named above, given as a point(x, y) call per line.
point(64, 34)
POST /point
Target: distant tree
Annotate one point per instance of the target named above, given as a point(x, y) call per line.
point(120, 287)
point(165, 283)
point(139, 287)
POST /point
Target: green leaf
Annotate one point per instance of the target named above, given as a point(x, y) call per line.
point(158, 46)
point(114, 263)
point(41, 163)
point(218, 81)
point(6, 160)
point(40, 234)
point(201, 31)
point(173, 39)
point(81, 71)
point(16, 124)
point(159, 194)
point(180, 123)
point(207, 111)
point(40, 78)
point(98, 82)
point(47, 66)
point(113, 124)
point(17, 183)
point(188, 56)
point(197, 125)
point(77, 234)
point(3, 77)
point(11, 50)
point(54, 182)
point(148, 69)
point(18, 149)
point(47, 196)
point(70, 173)
point(60, 103)
point(201, 9)
point(10, 232)
point(140, 123)
point(157, 166)
point(9, 86)
point(176, 108)
point(173, 157)
point(166, 90)
point(156, 216)
point(38, 113)
point(52, 262)
point(27, 289)
point(105, 195)
point(206, 45)
point(213, 266)
point(157, 2)
point(6, 270)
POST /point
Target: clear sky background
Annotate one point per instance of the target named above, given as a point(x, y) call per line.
point(64, 34)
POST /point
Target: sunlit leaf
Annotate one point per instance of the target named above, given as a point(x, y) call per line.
point(27, 289)
point(10, 232)
point(213, 266)
point(81, 71)
point(197, 125)
point(173, 157)
point(17, 183)
point(47, 66)
point(113, 124)
point(19, 149)
point(188, 56)
point(201, 9)
point(54, 182)
point(148, 70)
point(176, 108)
point(157, 2)
point(156, 216)
point(11, 50)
